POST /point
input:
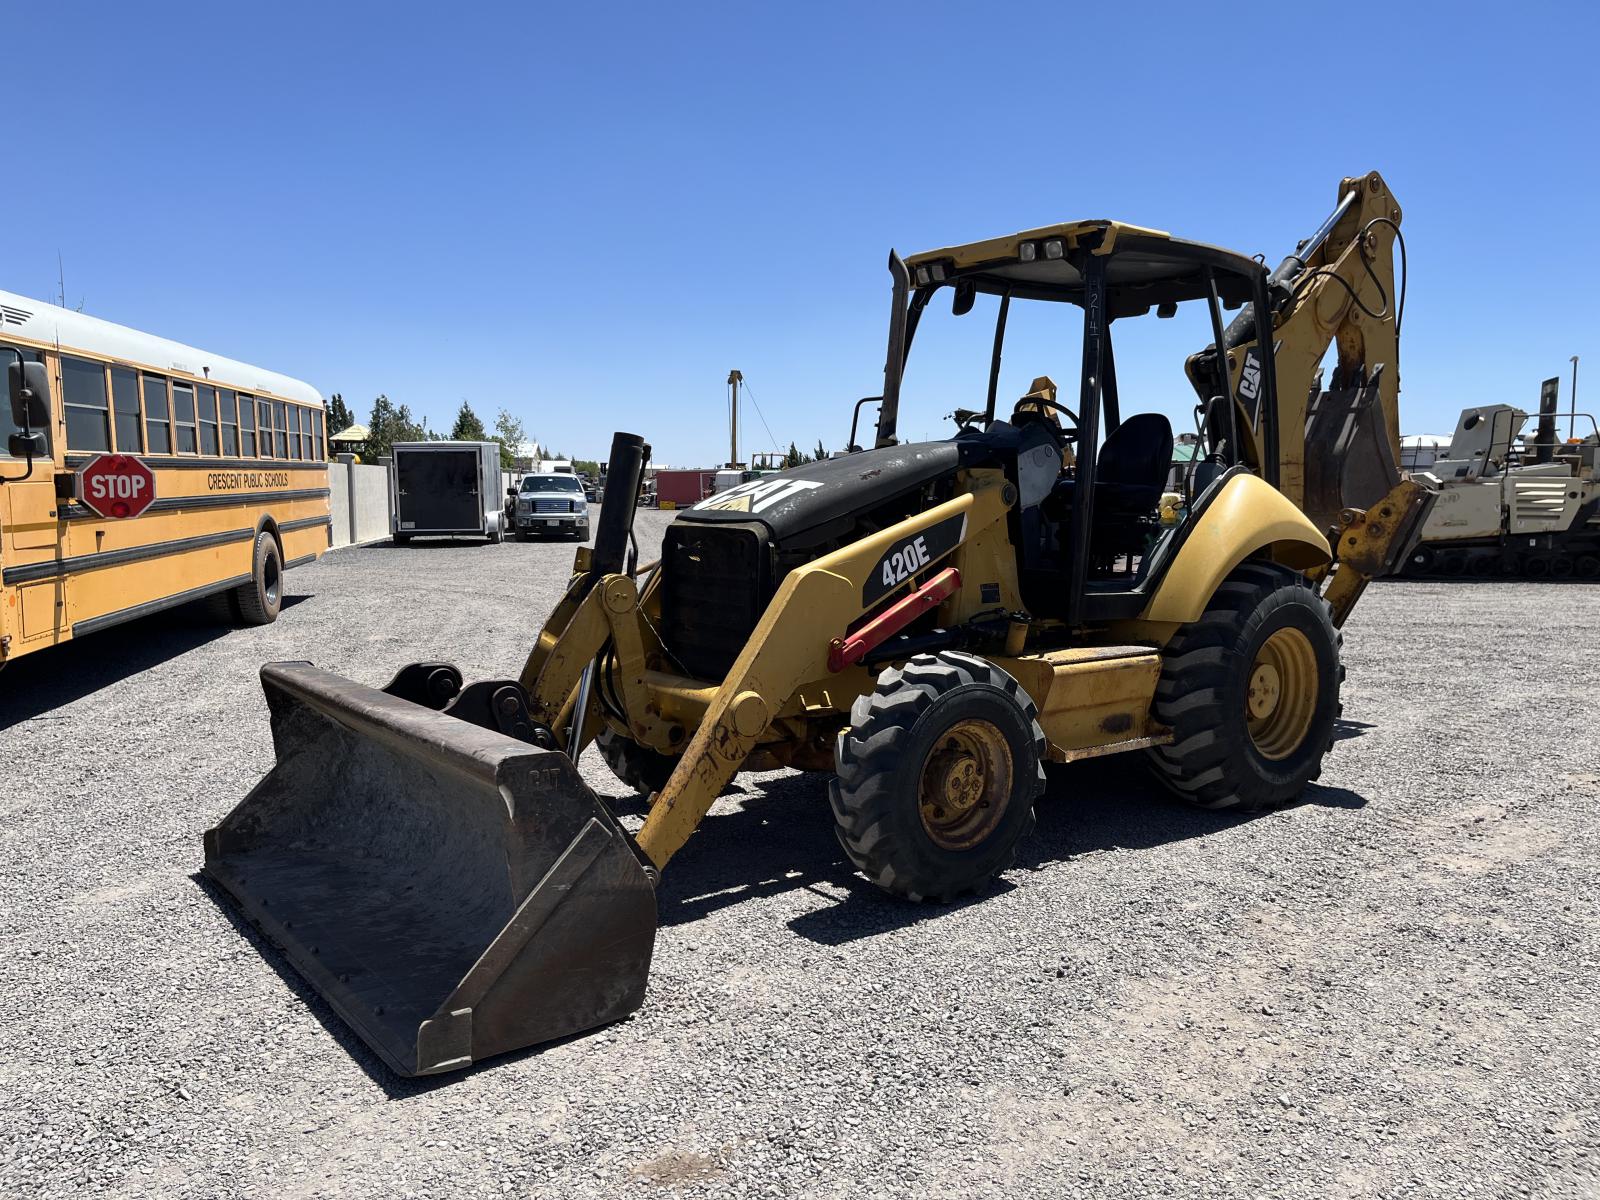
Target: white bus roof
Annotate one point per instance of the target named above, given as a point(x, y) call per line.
point(44, 323)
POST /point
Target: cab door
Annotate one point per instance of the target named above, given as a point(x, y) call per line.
point(31, 529)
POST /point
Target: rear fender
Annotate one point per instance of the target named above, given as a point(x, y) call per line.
point(1249, 517)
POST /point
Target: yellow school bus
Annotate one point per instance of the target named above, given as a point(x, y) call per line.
point(238, 455)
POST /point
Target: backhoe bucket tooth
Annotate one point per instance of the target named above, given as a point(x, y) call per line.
point(452, 892)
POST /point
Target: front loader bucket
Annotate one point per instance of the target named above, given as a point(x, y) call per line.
point(452, 892)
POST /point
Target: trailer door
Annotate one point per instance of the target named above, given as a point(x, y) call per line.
point(437, 490)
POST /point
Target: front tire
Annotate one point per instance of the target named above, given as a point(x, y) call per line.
point(645, 770)
point(261, 598)
point(937, 776)
point(1251, 691)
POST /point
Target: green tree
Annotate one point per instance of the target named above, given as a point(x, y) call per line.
point(586, 466)
point(794, 458)
point(510, 433)
point(822, 452)
point(467, 427)
point(340, 417)
point(388, 424)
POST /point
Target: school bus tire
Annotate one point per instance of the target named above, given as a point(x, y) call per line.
point(222, 608)
point(261, 598)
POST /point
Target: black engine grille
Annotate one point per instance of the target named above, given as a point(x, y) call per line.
point(716, 581)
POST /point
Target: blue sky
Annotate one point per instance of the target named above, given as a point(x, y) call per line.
point(588, 214)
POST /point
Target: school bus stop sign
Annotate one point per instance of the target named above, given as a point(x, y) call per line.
point(116, 485)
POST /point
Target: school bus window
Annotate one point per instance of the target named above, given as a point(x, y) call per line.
point(230, 422)
point(292, 416)
point(125, 409)
point(264, 423)
point(157, 415)
point(300, 418)
point(83, 389)
point(183, 416)
point(322, 445)
point(8, 355)
point(206, 398)
point(247, 425)
point(308, 438)
point(281, 428)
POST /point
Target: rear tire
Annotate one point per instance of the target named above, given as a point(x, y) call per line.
point(401, 539)
point(221, 608)
point(937, 776)
point(261, 598)
point(645, 770)
point(1251, 691)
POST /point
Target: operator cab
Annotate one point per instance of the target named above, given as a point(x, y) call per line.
point(1094, 523)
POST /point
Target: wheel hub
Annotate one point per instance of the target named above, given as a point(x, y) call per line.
point(965, 783)
point(1281, 693)
point(1266, 688)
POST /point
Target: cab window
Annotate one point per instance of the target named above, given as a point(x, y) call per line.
point(8, 355)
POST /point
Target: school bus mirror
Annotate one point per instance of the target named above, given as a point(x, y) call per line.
point(28, 445)
point(30, 395)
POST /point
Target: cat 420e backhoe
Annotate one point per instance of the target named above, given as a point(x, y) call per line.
point(930, 621)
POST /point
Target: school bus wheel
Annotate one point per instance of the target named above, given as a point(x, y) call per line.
point(260, 599)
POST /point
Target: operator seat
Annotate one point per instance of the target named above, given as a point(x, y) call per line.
point(1130, 475)
point(1131, 471)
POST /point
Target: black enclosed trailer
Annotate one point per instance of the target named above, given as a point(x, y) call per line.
point(447, 489)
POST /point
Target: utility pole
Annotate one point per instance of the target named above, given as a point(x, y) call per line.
point(1572, 416)
point(735, 378)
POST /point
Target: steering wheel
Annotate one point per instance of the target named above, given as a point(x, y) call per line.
point(1035, 410)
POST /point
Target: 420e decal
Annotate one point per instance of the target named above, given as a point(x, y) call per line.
point(910, 555)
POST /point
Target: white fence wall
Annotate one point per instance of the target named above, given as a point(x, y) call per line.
point(360, 501)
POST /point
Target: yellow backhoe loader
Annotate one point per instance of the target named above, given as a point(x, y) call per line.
point(932, 622)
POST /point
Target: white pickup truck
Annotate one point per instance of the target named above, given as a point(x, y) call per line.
point(552, 505)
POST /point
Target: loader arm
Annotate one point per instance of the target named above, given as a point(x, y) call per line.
point(1336, 449)
point(786, 651)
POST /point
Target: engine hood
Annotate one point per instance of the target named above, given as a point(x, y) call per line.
point(813, 494)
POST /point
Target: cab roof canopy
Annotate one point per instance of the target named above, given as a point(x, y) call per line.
point(1144, 267)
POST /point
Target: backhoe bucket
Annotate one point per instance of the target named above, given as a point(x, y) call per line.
point(452, 892)
point(1349, 461)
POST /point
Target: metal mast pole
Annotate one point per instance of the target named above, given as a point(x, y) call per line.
point(1572, 415)
point(735, 378)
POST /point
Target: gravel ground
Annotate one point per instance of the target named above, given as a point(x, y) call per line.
point(1386, 990)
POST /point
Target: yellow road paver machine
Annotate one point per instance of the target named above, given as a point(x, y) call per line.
point(931, 622)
